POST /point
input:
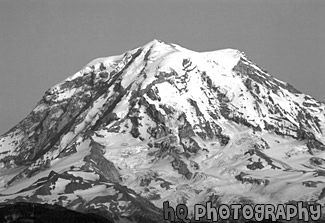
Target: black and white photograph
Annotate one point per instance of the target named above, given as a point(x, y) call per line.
point(170, 111)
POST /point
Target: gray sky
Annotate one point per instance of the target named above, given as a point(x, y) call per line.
point(43, 42)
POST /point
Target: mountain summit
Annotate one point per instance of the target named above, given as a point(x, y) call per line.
point(163, 123)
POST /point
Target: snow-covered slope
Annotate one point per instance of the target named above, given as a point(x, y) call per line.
point(161, 122)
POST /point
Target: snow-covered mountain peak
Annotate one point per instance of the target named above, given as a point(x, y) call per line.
point(161, 122)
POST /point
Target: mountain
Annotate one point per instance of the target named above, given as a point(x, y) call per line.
point(164, 123)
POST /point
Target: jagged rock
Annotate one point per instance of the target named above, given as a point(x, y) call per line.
point(181, 167)
point(245, 178)
point(98, 163)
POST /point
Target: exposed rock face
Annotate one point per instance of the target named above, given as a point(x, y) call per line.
point(159, 123)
